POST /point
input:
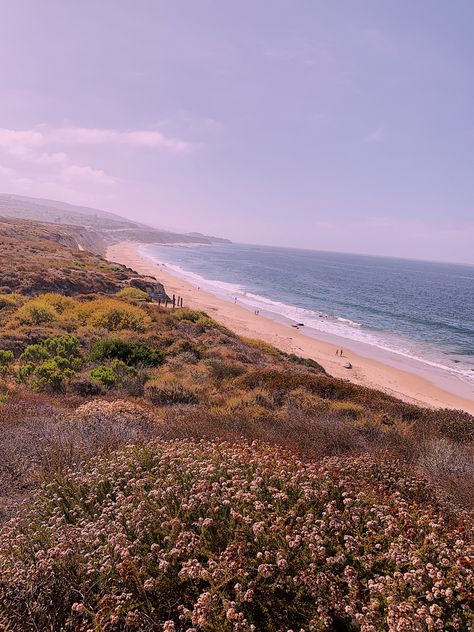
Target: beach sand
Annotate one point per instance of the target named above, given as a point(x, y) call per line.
point(369, 372)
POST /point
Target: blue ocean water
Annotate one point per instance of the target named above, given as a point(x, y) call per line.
point(418, 309)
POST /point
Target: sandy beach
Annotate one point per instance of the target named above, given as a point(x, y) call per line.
point(405, 384)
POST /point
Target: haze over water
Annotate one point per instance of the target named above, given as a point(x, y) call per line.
point(417, 309)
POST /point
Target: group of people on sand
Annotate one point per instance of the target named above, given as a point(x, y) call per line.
point(339, 352)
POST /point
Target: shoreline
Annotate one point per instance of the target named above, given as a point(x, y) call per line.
point(398, 381)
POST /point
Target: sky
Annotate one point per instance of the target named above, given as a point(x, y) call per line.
point(341, 125)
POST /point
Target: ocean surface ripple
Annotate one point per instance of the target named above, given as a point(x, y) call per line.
point(417, 309)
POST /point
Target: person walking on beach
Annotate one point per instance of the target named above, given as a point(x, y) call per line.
point(337, 352)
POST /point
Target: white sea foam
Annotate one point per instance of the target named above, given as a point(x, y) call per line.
point(348, 321)
point(315, 320)
point(200, 281)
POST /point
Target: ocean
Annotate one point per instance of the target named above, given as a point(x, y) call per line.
point(414, 309)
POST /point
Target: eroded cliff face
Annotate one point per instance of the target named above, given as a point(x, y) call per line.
point(38, 257)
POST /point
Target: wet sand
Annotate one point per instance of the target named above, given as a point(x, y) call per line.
point(403, 382)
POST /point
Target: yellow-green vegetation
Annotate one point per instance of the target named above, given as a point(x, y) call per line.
point(110, 314)
point(133, 293)
point(105, 375)
point(329, 507)
point(6, 359)
point(11, 300)
point(36, 312)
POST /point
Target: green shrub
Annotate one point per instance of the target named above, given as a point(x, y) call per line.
point(6, 358)
point(64, 346)
point(34, 353)
point(105, 375)
point(48, 375)
point(133, 293)
point(25, 371)
point(188, 314)
point(131, 353)
point(312, 364)
point(64, 349)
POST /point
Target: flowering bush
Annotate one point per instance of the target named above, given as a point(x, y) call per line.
point(116, 411)
point(221, 537)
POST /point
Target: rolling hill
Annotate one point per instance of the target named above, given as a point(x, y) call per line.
point(103, 227)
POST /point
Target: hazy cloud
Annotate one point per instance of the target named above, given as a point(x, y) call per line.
point(6, 171)
point(42, 147)
point(78, 172)
point(17, 141)
point(376, 136)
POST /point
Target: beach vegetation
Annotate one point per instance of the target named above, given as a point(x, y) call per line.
point(36, 312)
point(111, 314)
point(188, 314)
point(179, 346)
point(34, 353)
point(347, 409)
point(133, 293)
point(219, 369)
point(6, 359)
point(11, 300)
point(50, 374)
point(65, 349)
point(59, 302)
point(261, 345)
point(105, 375)
point(224, 537)
point(131, 353)
point(308, 362)
point(169, 390)
point(159, 472)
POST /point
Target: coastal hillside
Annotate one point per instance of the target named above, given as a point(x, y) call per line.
point(99, 228)
point(57, 212)
point(38, 257)
point(161, 473)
